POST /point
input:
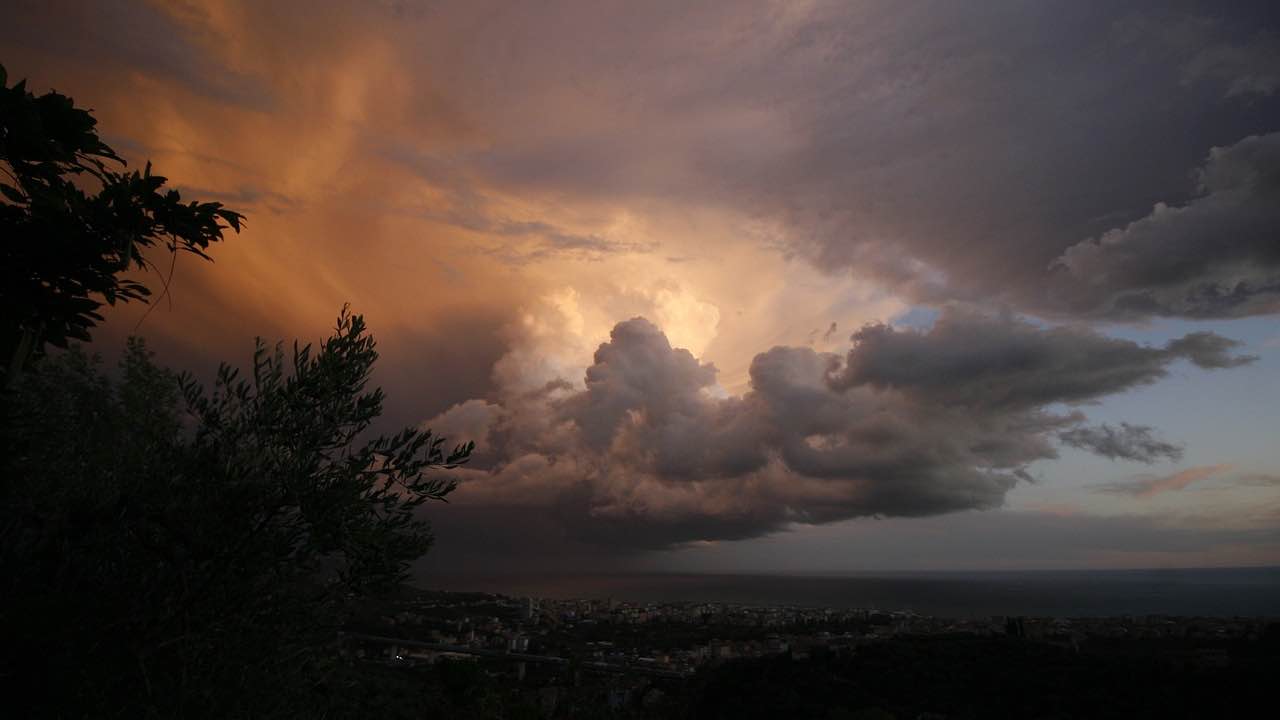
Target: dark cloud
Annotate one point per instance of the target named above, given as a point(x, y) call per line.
point(649, 454)
point(435, 367)
point(998, 215)
point(1242, 66)
point(1051, 157)
point(638, 371)
point(1209, 351)
point(1216, 255)
point(948, 152)
point(133, 38)
point(973, 360)
point(1077, 162)
point(1126, 442)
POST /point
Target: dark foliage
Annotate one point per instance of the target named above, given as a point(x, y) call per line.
point(167, 551)
point(971, 677)
point(73, 227)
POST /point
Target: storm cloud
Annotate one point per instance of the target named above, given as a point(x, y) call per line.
point(1217, 255)
point(648, 453)
point(1002, 154)
point(757, 179)
point(973, 360)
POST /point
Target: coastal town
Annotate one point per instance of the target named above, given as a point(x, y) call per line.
point(680, 637)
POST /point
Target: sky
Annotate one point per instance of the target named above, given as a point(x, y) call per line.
point(740, 285)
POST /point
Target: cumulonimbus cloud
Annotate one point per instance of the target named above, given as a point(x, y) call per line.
point(647, 452)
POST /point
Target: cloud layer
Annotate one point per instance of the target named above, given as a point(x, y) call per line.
point(757, 179)
point(648, 453)
point(1218, 255)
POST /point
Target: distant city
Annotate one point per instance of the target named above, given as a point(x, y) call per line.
point(555, 643)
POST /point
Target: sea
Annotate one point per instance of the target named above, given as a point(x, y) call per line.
point(1210, 592)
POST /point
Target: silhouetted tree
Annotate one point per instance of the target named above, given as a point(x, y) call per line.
point(169, 551)
point(73, 227)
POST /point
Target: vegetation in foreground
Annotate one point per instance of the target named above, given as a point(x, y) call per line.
point(168, 550)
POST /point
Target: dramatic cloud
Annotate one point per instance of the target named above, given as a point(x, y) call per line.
point(1241, 67)
point(973, 360)
point(1217, 255)
point(1249, 68)
point(964, 168)
point(1010, 152)
point(649, 453)
point(1127, 442)
point(1146, 486)
point(745, 174)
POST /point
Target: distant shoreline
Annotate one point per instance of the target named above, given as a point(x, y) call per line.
point(1208, 592)
point(854, 573)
